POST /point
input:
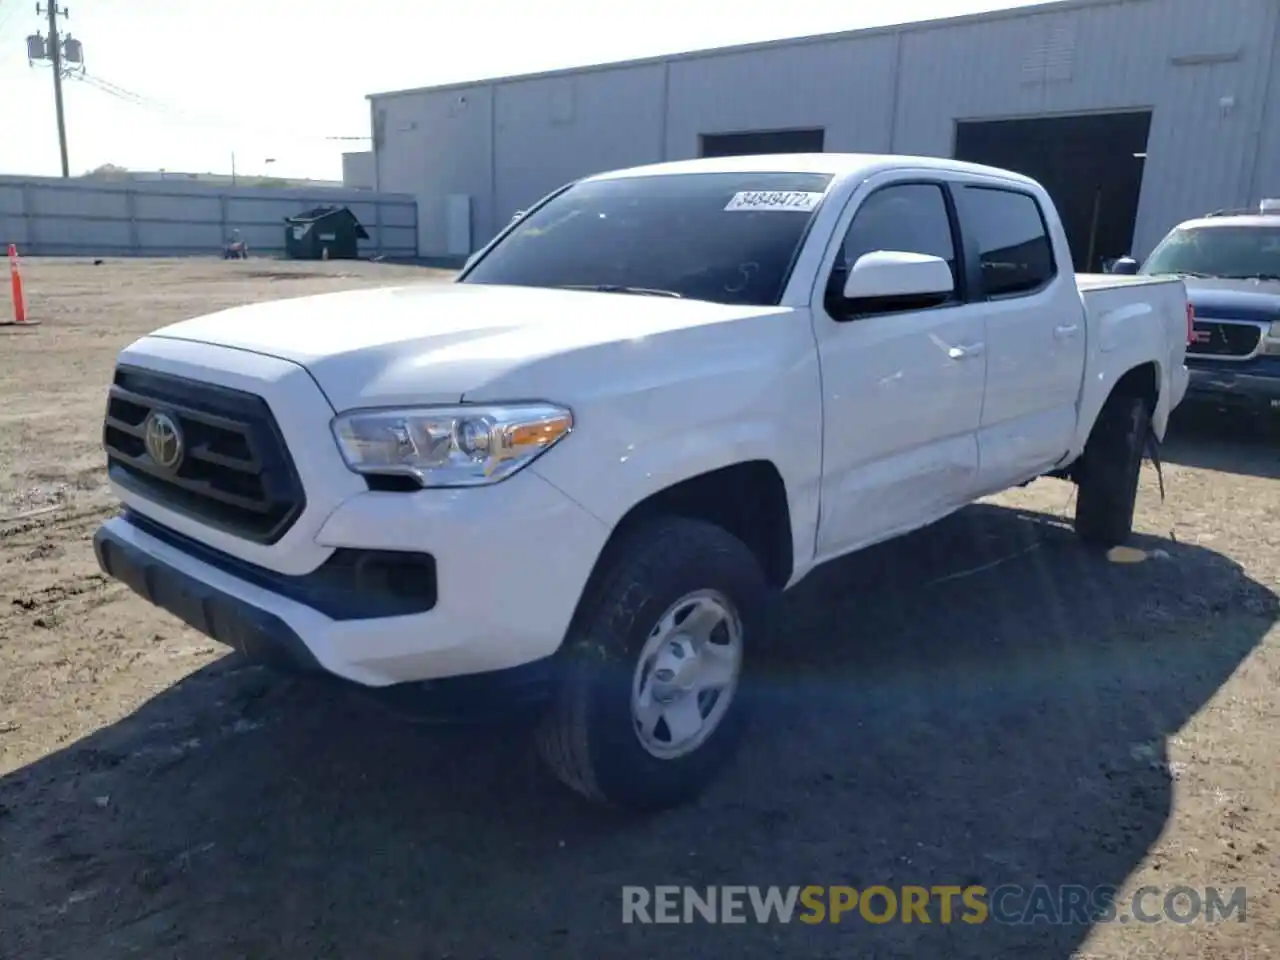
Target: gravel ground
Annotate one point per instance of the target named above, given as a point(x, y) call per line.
point(983, 702)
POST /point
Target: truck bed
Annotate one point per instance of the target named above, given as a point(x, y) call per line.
point(1088, 282)
point(1109, 297)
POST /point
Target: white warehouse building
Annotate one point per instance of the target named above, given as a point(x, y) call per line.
point(1135, 114)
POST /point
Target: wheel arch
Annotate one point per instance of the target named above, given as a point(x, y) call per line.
point(748, 499)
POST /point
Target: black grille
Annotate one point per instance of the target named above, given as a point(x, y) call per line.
point(1215, 339)
point(235, 473)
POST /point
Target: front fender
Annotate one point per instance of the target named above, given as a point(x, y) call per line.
point(630, 445)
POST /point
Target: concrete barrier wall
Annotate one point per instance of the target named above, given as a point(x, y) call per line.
point(47, 216)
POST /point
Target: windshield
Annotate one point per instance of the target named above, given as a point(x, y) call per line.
point(723, 237)
point(1218, 252)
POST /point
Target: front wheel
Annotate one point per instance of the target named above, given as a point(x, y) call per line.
point(1107, 475)
point(652, 703)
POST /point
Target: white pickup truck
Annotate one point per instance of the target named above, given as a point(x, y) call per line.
point(577, 478)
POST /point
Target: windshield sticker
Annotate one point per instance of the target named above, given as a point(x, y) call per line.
point(774, 200)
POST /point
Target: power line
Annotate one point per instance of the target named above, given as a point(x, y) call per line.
point(66, 57)
point(120, 93)
point(182, 113)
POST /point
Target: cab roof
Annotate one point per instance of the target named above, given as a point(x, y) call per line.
point(839, 165)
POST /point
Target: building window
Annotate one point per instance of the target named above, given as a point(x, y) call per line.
point(757, 142)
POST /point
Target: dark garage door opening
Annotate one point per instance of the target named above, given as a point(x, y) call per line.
point(1090, 164)
point(759, 142)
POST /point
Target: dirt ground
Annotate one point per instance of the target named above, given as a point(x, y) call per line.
point(982, 702)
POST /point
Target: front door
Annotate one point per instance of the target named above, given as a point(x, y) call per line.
point(902, 389)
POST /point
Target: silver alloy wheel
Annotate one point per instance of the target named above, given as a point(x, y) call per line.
point(687, 674)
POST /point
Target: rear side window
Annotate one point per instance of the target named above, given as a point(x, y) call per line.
point(1014, 249)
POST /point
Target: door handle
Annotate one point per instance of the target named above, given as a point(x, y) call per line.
point(1065, 331)
point(966, 351)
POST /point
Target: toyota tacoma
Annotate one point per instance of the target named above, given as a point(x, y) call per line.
point(577, 478)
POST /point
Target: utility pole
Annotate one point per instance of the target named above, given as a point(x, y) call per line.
point(55, 56)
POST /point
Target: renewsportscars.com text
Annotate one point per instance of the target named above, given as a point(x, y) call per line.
point(1006, 904)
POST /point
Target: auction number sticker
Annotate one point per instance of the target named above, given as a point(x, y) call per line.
point(774, 200)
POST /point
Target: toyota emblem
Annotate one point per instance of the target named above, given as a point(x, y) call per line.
point(163, 440)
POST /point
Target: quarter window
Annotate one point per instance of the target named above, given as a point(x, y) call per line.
point(1015, 253)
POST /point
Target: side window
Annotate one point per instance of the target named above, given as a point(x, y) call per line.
point(1015, 253)
point(907, 218)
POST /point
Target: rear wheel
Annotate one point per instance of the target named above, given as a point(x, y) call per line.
point(652, 703)
point(1107, 475)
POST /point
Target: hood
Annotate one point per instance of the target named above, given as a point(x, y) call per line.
point(438, 342)
point(1235, 299)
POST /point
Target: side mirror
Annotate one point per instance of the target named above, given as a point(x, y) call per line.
point(1126, 266)
point(895, 275)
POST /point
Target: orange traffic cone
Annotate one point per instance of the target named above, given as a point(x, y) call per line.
point(19, 297)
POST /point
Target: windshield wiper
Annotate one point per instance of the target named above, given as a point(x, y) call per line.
point(1251, 276)
point(1195, 276)
point(618, 288)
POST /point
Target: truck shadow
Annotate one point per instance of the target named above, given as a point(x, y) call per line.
point(1214, 440)
point(983, 702)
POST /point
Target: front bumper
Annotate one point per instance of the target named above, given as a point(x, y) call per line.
point(1229, 388)
point(268, 638)
point(257, 633)
point(510, 564)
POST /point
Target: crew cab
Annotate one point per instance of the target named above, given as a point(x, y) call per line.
point(1230, 262)
point(578, 478)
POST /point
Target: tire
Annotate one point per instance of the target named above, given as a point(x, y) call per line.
point(589, 736)
point(1107, 477)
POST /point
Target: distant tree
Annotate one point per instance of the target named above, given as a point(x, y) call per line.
point(108, 171)
point(266, 182)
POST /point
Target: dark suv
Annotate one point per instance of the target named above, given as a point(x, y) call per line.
point(1230, 264)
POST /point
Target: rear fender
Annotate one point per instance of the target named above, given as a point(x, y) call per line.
point(1123, 339)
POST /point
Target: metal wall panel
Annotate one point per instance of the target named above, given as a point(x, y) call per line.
point(1204, 69)
point(357, 170)
point(844, 86)
point(1175, 57)
point(431, 145)
point(550, 132)
point(47, 216)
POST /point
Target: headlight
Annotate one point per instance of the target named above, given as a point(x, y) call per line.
point(450, 446)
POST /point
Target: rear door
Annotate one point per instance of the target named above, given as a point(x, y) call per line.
point(902, 388)
point(1035, 329)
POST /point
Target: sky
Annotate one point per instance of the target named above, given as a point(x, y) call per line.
point(199, 81)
